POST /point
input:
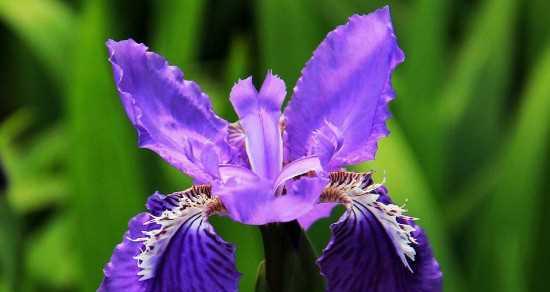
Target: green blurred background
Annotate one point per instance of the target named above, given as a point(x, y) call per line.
point(468, 148)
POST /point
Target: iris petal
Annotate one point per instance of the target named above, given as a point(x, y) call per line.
point(173, 248)
point(361, 257)
point(236, 173)
point(298, 167)
point(121, 273)
point(173, 116)
point(374, 246)
point(253, 201)
point(345, 86)
point(317, 212)
point(259, 114)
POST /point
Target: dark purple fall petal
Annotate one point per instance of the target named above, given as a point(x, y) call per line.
point(172, 116)
point(185, 255)
point(121, 273)
point(340, 104)
point(362, 256)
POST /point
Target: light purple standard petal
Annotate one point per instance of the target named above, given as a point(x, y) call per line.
point(340, 104)
point(362, 255)
point(175, 250)
point(173, 116)
point(259, 114)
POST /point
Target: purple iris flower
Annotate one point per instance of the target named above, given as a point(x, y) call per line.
point(270, 167)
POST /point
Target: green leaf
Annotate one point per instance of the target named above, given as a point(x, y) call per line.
point(237, 62)
point(424, 67)
point(106, 181)
point(46, 26)
point(511, 213)
point(476, 144)
point(538, 30)
point(421, 76)
point(177, 27)
point(289, 259)
point(491, 27)
point(32, 170)
point(286, 43)
point(10, 247)
point(406, 181)
point(236, 68)
point(52, 245)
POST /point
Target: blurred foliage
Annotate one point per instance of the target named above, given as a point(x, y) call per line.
point(468, 150)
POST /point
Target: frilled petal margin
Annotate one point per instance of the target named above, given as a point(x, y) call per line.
point(340, 103)
point(173, 248)
point(374, 247)
point(172, 116)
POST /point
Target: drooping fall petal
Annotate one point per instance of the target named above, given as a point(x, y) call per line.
point(173, 248)
point(362, 257)
point(374, 245)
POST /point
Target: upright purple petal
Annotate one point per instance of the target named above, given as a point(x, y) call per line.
point(370, 251)
point(176, 250)
point(173, 117)
point(340, 103)
point(259, 114)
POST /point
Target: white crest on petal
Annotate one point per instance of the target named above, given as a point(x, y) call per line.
point(389, 216)
point(190, 206)
point(358, 189)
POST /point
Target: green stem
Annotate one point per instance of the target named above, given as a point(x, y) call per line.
point(289, 259)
